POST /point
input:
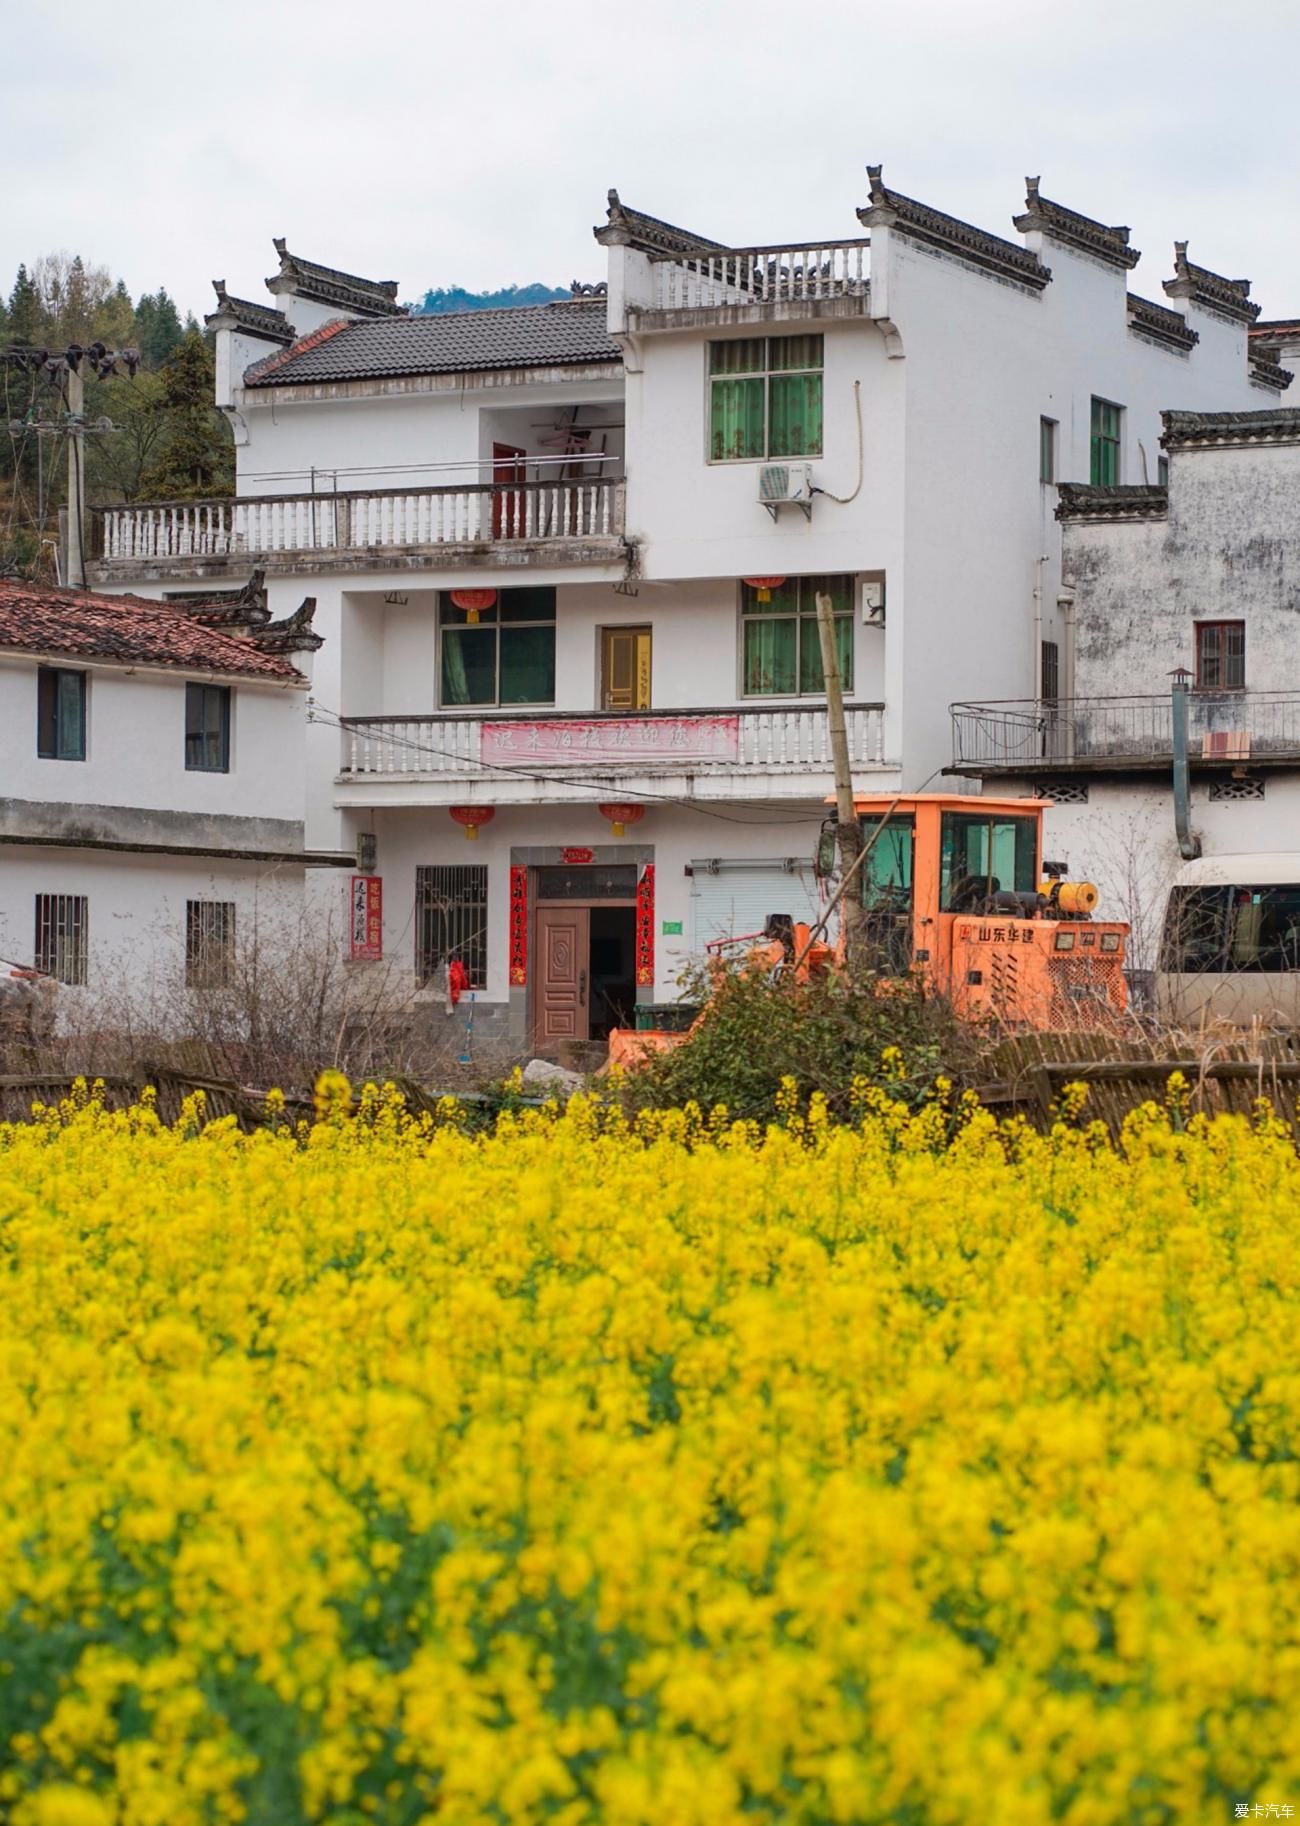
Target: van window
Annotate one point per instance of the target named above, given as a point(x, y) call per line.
point(1229, 929)
point(980, 854)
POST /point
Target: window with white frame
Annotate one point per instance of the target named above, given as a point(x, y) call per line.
point(781, 653)
point(505, 656)
point(765, 398)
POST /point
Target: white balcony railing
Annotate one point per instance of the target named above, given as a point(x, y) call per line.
point(725, 741)
point(469, 514)
point(760, 275)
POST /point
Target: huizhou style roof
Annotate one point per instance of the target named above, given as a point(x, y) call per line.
point(1276, 425)
point(946, 234)
point(633, 228)
point(1067, 225)
point(1228, 297)
point(1161, 324)
point(327, 285)
point(567, 333)
point(246, 314)
point(1118, 501)
point(42, 619)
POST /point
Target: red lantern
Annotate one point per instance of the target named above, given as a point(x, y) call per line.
point(620, 816)
point(762, 586)
point(471, 816)
point(473, 602)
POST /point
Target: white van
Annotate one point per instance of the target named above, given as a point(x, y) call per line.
point(1230, 949)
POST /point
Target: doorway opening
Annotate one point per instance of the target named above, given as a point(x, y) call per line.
point(613, 970)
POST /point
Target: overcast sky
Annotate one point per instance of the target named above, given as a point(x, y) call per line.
point(472, 142)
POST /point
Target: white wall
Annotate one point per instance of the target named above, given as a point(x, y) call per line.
point(677, 834)
point(136, 913)
point(135, 745)
point(413, 438)
point(391, 650)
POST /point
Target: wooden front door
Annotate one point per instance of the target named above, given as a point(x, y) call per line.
point(564, 962)
point(625, 669)
point(508, 465)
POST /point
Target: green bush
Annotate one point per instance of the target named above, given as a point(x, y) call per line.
point(823, 1034)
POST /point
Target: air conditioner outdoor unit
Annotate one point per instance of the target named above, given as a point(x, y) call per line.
point(786, 485)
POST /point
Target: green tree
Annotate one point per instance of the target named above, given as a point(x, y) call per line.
point(26, 318)
point(196, 456)
point(157, 332)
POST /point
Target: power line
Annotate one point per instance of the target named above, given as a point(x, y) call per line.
point(331, 718)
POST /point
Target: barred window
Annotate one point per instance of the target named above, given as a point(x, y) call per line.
point(209, 943)
point(62, 936)
point(451, 919)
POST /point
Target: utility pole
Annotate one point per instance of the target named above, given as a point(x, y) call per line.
point(74, 405)
point(848, 834)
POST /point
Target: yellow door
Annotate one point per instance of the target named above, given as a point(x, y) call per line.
point(625, 669)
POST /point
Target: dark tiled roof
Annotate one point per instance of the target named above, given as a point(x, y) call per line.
point(1279, 424)
point(41, 619)
point(1284, 329)
point(633, 228)
point(1129, 501)
point(933, 229)
point(327, 285)
point(1229, 297)
point(1264, 363)
point(457, 342)
point(1160, 323)
point(256, 319)
point(1062, 224)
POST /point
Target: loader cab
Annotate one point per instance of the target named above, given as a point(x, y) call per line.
point(940, 856)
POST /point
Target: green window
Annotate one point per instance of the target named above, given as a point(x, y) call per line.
point(980, 854)
point(782, 654)
point(1107, 422)
point(887, 894)
point(765, 398)
point(506, 657)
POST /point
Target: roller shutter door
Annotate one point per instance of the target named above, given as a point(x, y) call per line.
point(741, 895)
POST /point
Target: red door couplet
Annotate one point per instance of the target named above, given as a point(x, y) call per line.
point(509, 466)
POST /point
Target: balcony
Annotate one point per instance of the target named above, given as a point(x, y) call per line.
point(755, 284)
point(1091, 733)
point(543, 756)
point(557, 522)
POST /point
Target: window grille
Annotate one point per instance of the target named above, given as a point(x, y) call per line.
point(1235, 791)
point(62, 936)
point(1050, 687)
point(1063, 792)
point(451, 919)
point(209, 943)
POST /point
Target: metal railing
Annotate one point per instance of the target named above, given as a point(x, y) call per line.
point(760, 275)
point(1221, 725)
point(727, 740)
point(459, 514)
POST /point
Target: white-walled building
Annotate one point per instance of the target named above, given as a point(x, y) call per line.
point(154, 788)
point(884, 417)
point(1198, 576)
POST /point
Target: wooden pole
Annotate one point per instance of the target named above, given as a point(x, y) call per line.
point(848, 835)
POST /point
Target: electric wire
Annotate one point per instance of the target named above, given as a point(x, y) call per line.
point(331, 719)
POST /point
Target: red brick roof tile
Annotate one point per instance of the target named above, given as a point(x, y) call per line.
point(43, 619)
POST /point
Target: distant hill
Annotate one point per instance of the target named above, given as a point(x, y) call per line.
point(456, 298)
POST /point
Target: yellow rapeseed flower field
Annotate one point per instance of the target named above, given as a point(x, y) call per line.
point(921, 1471)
